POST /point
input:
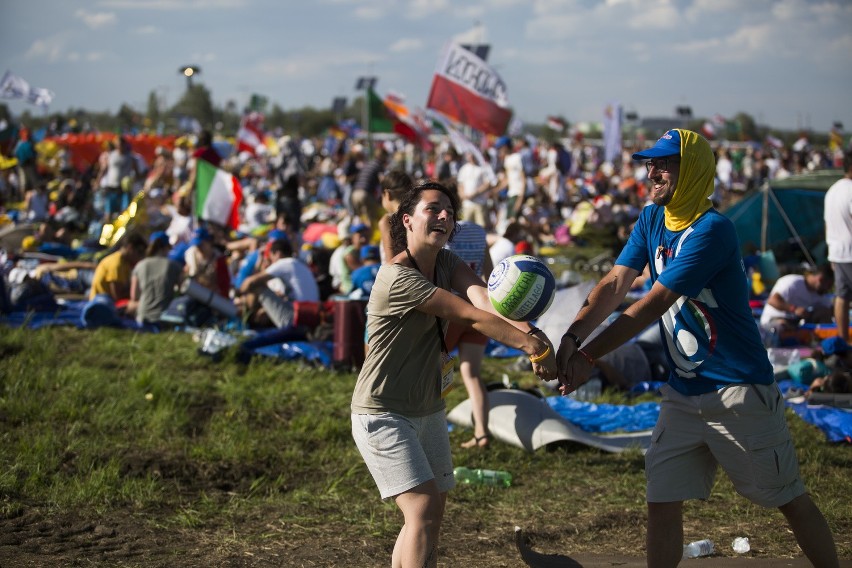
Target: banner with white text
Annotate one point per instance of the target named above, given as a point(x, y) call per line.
point(468, 90)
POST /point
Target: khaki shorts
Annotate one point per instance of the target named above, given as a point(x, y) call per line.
point(403, 452)
point(741, 428)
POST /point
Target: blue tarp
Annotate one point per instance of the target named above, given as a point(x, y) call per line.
point(835, 422)
point(600, 418)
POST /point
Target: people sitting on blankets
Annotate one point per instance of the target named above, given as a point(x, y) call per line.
point(797, 297)
point(285, 280)
point(112, 275)
point(205, 264)
point(153, 281)
point(253, 259)
point(345, 258)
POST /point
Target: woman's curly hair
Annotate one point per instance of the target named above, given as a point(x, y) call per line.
point(409, 201)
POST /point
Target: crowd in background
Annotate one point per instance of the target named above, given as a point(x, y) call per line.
point(324, 198)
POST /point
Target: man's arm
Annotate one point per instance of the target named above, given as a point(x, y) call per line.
point(603, 300)
point(575, 365)
point(254, 281)
point(633, 320)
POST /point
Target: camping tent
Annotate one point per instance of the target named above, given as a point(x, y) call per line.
point(786, 217)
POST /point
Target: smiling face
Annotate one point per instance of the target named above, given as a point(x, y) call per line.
point(664, 179)
point(433, 219)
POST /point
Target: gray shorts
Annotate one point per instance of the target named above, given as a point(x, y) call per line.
point(403, 452)
point(843, 279)
point(740, 427)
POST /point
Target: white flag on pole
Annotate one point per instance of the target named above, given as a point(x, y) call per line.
point(13, 87)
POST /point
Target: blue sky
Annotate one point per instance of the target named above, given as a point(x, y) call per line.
point(788, 63)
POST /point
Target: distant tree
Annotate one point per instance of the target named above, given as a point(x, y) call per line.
point(196, 103)
point(127, 117)
point(306, 121)
point(153, 112)
point(230, 117)
point(747, 126)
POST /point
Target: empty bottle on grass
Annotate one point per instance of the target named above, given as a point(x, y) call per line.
point(698, 548)
point(482, 477)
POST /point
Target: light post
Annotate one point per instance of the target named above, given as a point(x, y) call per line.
point(189, 71)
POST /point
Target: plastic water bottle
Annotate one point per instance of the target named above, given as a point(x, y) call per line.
point(698, 548)
point(741, 545)
point(482, 477)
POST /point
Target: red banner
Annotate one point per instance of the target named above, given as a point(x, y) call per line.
point(466, 89)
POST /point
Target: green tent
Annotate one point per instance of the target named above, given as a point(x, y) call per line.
point(785, 216)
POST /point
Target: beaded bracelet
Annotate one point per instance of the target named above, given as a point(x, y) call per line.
point(542, 357)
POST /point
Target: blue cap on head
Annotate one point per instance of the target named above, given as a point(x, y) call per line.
point(158, 237)
point(199, 236)
point(834, 346)
point(370, 252)
point(276, 234)
point(357, 228)
point(667, 145)
point(503, 141)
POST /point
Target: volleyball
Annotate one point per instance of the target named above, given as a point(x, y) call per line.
point(521, 287)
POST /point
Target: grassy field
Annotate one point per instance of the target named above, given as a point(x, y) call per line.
point(124, 449)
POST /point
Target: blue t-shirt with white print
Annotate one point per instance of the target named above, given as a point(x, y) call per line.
point(710, 334)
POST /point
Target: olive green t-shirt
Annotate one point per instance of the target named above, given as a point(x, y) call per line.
point(402, 372)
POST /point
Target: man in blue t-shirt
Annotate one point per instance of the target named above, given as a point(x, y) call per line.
point(720, 406)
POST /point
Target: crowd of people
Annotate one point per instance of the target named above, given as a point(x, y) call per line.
point(382, 223)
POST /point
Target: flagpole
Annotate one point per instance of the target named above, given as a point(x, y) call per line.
point(367, 121)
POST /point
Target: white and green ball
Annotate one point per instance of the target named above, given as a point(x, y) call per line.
point(521, 287)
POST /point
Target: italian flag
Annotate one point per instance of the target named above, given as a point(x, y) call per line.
point(218, 195)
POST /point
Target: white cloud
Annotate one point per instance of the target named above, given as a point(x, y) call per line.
point(370, 12)
point(174, 5)
point(206, 57)
point(95, 20)
point(51, 49)
point(147, 30)
point(419, 9)
point(743, 45)
point(317, 64)
point(406, 44)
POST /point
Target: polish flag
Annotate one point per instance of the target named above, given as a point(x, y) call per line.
point(556, 124)
point(250, 134)
point(468, 90)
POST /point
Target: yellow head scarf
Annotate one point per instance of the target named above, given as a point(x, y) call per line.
point(694, 184)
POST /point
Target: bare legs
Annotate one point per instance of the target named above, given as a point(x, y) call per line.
point(841, 317)
point(664, 540)
point(417, 543)
point(665, 533)
point(811, 531)
point(470, 355)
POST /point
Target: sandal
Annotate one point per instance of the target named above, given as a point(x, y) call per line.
point(478, 442)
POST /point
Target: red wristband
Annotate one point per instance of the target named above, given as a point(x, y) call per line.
point(587, 357)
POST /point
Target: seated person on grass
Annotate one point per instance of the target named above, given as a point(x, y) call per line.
point(796, 297)
point(112, 275)
point(284, 280)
